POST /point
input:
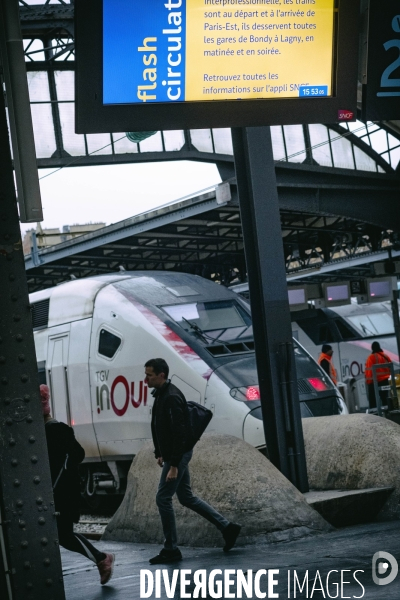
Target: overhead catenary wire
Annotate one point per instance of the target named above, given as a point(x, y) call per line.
point(80, 157)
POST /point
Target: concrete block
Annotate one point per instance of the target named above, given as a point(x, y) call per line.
point(348, 507)
point(232, 476)
point(357, 451)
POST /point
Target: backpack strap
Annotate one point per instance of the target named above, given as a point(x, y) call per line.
point(63, 468)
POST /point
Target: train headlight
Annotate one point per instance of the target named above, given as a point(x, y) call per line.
point(246, 394)
point(318, 384)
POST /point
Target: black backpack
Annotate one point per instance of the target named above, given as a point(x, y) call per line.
point(198, 418)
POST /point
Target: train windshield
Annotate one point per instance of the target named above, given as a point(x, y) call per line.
point(373, 324)
point(220, 321)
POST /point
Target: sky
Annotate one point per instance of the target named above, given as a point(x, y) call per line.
point(112, 193)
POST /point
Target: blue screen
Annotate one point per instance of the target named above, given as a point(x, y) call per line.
point(143, 51)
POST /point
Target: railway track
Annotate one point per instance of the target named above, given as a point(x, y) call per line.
point(92, 526)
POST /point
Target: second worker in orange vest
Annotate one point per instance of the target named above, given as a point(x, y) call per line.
point(377, 357)
point(325, 360)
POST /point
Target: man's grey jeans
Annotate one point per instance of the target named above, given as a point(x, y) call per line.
point(181, 486)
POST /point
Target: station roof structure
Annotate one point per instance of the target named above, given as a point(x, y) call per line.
point(338, 184)
point(202, 234)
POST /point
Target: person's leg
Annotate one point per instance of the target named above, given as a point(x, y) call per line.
point(371, 395)
point(384, 394)
point(166, 490)
point(187, 498)
point(75, 542)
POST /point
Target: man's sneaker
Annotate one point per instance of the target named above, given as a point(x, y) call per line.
point(166, 556)
point(230, 534)
point(106, 567)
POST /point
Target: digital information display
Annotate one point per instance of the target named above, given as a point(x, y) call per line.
point(144, 65)
point(205, 50)
point(381, 289)
point(336, 294)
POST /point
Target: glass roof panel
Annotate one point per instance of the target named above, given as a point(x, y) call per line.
point(74, 144)
point(288, 141)
point(342, 152)
point(320, 145)
point(99, 143)
point(173, 140)
point(395, 157)
point(122, 145)
point(359, 129)
point(365, 140)
point(378, 141)
point(278, 145)
point(43, 129)
point(295, 145)
point(38, 85)
point(223, 141)
point(372, 126)
point(65, 84)
point(152, 144)
point(393, 142)
point(363, 161)
point(201, 139)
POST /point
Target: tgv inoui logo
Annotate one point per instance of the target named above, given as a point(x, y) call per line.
point(380, 566)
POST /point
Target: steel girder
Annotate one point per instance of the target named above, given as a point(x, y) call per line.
point(205, 238)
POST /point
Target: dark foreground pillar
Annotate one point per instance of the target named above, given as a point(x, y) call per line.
point(30, 564)
point(259, 209)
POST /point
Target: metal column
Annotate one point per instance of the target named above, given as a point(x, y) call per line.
point(19, 112)
point(396, 318)
point(29, 552)
point(259, 209)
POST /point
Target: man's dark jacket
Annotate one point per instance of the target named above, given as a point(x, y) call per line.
point(169, 424)
point(60, 442)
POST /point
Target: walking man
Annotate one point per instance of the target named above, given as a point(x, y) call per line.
point(173, 453)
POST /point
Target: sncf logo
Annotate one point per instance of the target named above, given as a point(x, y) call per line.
point(119, 394)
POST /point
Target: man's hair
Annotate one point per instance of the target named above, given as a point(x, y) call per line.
point(376, 347)
point(159, 366)
point(326, 348)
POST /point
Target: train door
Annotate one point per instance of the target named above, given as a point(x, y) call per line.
point(121, 414)
point(57, 370)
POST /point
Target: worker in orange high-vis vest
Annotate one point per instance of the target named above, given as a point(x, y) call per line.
point(377, 357)
point(325, 360)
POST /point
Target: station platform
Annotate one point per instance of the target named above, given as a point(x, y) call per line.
point(342, 551)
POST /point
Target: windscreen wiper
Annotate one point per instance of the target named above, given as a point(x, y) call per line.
point(204, 336)
point(197, 329)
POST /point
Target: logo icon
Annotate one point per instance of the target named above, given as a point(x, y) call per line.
point(380, 566)
point(345, 115)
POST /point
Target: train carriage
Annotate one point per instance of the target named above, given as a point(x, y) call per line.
point(94, 335)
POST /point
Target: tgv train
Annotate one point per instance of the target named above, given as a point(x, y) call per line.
point(93, 337)
point(350, 330)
